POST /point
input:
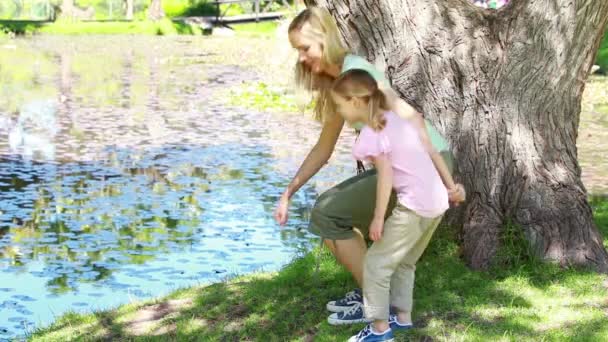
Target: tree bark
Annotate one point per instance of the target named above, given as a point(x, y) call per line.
point(129, 9)
point(156, 10)
point(505, 88)
point(70, 10)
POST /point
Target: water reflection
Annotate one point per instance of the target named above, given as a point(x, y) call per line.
point(129, 180)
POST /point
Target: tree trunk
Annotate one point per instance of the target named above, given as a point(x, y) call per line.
point(129, 11)
point(70, 10)
point(505, 87)
point(18, 9)
point(156, 10)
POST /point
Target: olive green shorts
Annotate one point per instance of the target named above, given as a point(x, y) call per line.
point(351, 204)
point(347, 205)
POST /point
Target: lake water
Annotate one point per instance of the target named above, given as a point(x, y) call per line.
point(124, 174)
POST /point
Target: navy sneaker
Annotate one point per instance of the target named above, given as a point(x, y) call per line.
point(352, 316)
point(395, 325)
point(369, 335)
point(350, 299)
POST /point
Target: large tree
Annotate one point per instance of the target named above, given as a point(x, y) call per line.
point(69, 10)
point(128, 9)
point(156, 12)
point(505, 87)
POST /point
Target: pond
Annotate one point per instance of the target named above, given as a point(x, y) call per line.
point(124, 174)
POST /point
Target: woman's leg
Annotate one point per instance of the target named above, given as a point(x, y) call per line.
point(347, 205)
point(351, 254)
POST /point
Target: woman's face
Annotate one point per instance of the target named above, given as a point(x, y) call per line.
point(309, 50)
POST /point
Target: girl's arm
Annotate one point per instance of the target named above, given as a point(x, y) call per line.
point(383, 194)
point(438, 160)
point(404, 110)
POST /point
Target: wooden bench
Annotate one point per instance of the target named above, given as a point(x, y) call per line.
point(257, 12)
point(219, 14)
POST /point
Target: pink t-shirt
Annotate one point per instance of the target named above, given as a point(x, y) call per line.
point(415, 178)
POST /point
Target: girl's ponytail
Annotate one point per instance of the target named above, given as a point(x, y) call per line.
point(377, 104)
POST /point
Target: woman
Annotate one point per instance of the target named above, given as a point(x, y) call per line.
point(322, 59)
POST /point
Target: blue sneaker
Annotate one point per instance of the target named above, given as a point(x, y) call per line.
point(395, 325)
point(350, 299)
point(369, 335)
point(352, 316)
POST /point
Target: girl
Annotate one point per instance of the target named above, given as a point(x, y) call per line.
point(322, 59)
point(395, 147)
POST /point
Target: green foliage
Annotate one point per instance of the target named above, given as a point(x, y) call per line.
point(261, 29)
point(178, 8)
point(21, 27)
point(115, 9)
point(165, 27)
point(24, 9)
point(514, 248)
point(599, 204)
point(262, 97)
point(602, 54)
point(161, 27)
point(135, 27)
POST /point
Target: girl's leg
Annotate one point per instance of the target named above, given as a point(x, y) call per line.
point(382, 260)
point(402, 281)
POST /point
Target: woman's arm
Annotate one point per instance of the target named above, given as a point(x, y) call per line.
point(404, 110)
point(317, 157)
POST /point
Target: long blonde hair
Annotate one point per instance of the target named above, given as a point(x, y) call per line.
point(323, 29)
point(360, 84)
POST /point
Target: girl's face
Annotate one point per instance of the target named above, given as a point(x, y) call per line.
point(309, 51)
point(354, 110)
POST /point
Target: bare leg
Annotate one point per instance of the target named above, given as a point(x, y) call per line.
point(351, 254)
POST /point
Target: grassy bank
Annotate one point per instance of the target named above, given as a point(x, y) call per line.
point(162, 27)
point(519, 300)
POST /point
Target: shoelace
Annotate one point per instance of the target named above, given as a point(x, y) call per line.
point(352, 310)
point(365, 332)
point(351, 295)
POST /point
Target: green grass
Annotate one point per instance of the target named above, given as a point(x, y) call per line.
point(516, 301)
point(264, 28)
point(162, 27)
point(263, 97)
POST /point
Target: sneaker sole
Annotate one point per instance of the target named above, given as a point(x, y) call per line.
point(390, 340)
point(395, 327)
point(335, 308)
point(332, 321)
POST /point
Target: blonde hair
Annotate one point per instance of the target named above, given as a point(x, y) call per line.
point(317, 24)
point(360, 84)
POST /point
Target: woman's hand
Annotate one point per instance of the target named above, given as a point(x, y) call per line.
point(457, 195)
point(376, 228)
point(281, 212)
